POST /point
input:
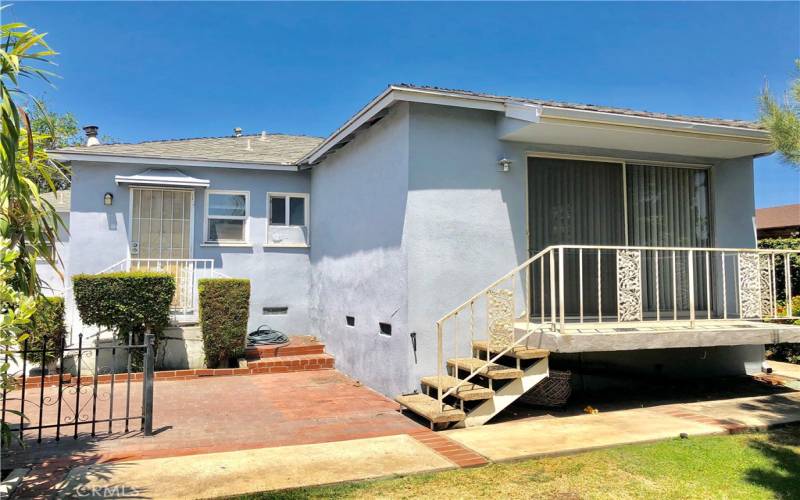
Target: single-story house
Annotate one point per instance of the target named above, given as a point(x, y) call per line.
point(778, 222)
point(618, 235)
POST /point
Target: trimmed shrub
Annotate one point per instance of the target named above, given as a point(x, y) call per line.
point(780, 278)
point(788, 353)
point(224, 309)
point(130, 302)
point(47, 321)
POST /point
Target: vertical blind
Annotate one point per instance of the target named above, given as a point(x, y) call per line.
point(584, 202)
point(577, 203)
point(668, 207)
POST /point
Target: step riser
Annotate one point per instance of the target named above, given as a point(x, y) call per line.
point(283, 364)
point(254, 353)
point(507, 395)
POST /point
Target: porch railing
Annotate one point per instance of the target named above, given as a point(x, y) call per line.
point(187, 273)
point(585, 284)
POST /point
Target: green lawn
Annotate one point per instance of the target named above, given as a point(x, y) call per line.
point(747, 466)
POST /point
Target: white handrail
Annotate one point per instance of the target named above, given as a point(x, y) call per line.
point(753, 276)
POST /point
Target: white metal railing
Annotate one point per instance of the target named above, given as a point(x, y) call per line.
point(187, 272)
point(566, 284)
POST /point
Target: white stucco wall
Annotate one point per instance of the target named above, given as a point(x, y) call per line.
point(465, 220)
point(358, 261)
point(279, 276)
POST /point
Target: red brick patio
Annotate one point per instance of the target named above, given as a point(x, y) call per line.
point(232, 413)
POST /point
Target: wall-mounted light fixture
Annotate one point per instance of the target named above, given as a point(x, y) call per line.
point(108, 199)
point(504, 164)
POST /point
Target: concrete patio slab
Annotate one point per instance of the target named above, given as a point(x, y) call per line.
point(607, 337)
point(234, 473)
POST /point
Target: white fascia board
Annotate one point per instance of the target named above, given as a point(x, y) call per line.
point(523, 111)
point(656, 124)
point(364, 115)
point(170, 162)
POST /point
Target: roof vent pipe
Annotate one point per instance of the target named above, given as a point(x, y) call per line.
point(237, 132)
point(91, 135)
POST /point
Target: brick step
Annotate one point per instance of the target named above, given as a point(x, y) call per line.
point(297, 346)
point(284, 364)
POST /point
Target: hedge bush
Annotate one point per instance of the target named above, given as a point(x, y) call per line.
point(224, 309)
point(784, 244)
point(48, 320)
point(128, 302)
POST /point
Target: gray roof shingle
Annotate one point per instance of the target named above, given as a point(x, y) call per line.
point(590, 107)
point(269, 149)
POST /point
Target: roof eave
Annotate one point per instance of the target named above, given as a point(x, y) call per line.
point(440, 97)
point(61, 155)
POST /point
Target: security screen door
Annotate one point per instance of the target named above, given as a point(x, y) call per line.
point(578, 202)
point(161, 222)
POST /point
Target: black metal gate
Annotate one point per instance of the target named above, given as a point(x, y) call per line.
point(80, 396)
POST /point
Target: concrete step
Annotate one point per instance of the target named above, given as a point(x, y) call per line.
point(467, 392)
point(519, 352)
point(297, 346)
point(491, 371)
point(430, 409)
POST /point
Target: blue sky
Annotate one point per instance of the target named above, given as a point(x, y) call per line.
point(164, 70)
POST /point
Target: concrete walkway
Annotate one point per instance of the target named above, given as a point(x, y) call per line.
point(536, 437)
point(788, 373)
point(250, 471)
point(233, 473)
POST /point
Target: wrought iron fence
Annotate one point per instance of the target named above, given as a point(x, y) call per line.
point(93, 388)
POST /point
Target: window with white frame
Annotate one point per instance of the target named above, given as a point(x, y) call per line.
point(226, 216)
point(288, 223)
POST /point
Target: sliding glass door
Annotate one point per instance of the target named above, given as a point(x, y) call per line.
point(615, 203)
point(668, 207)
point(576, 203)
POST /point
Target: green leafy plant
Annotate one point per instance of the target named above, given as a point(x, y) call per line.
point(129, 303)
point(780, 277)
point(788, 353)
point(16, 310)
point(224, 309)
point(47, 321)
point(28, 221)
point(29, 224)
